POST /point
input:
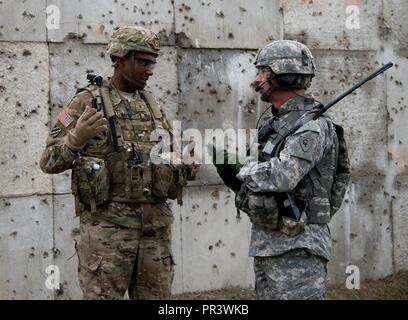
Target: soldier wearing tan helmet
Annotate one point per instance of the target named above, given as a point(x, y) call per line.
point(120, 194)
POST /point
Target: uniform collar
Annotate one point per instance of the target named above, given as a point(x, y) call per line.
point(293, 104)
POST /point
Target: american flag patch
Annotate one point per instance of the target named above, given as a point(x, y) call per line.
point(65, 119)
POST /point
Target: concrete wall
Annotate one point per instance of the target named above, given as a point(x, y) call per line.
point(202, 79)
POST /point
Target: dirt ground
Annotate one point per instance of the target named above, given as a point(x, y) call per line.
point(393, 287)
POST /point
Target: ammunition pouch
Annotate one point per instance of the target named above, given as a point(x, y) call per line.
point(130, 180)
point(168, 181)
point(292, 227)
point(90, 183)
point(261, 208)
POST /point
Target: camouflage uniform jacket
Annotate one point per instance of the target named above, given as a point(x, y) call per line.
point(57, 157)
point(284, 173)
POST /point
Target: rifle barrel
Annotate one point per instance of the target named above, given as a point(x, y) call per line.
point(353, 88)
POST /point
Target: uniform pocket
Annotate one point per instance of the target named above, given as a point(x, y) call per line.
point(90, 181)
point(263, 210)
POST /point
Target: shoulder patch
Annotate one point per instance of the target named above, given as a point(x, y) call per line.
point(65, 119)
point(304, 145)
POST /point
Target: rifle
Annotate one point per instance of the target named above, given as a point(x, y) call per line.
point(98, 104)
point(290, 205)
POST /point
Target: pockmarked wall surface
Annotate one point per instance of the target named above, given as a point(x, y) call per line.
point(202, 79)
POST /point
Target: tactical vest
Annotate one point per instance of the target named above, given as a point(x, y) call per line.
point(313, 192)
point(119, 168)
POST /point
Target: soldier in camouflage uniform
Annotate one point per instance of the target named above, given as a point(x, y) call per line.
point(120, 194)
point(290, 254)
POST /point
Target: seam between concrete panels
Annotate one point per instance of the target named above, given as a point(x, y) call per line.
point(390, 207)
point(50, 121)
point(177, 112)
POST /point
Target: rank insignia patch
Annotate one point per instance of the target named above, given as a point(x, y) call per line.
point(55, 132)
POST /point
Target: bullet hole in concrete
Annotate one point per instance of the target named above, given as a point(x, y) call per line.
point(56, 251)
point(45, 254)
point(6, 203)
point(215, 194)
point(233, 254)
point(75, 36)
point(210, 248)
point(60, 291)
point(214, 266)
point(230, 35)
point(205, 213)
point(31, 255)
point(199, 223)
point(25, 276)
point(26, 53)
point(27, 15)
point(218, 243)
point(32, 207)
point(219, 13)
point(13, 234)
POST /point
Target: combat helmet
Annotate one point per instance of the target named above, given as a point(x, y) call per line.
point(133, 38)
point(291, 61)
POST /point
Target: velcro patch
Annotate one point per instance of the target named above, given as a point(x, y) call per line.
point(65, 119)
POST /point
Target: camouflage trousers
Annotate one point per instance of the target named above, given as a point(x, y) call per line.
point(295, 275)
point(114, 258)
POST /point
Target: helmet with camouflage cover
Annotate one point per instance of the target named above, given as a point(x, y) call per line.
point(286, 57)
point(133, 38)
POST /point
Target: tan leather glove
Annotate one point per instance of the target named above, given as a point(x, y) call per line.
point(89, 124)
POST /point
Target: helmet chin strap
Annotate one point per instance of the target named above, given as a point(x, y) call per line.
point(267, 93)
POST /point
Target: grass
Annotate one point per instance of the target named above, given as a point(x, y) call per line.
point(394, 287)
